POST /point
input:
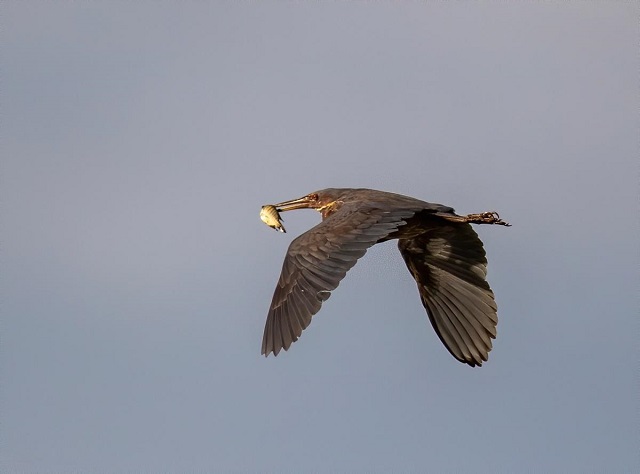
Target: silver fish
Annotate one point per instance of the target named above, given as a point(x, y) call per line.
point(270, 216)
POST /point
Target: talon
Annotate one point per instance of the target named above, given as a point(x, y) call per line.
point(495, 219)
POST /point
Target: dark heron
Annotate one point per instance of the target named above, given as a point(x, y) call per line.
point(441, 250)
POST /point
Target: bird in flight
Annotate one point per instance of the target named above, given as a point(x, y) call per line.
point(441, 250)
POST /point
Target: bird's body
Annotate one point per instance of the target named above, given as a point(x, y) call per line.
point(441, 250)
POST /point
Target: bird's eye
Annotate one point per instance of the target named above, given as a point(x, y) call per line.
point(313, 197)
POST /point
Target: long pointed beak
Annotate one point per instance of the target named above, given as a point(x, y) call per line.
point(300, 203)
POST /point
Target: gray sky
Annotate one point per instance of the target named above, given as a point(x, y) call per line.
point(139, 141)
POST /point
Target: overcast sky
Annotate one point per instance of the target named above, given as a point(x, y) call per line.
point(139, 140)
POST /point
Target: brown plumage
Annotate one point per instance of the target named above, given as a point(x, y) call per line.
point(441, 250)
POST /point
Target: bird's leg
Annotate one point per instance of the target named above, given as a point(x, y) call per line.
point(485, 218)
point(482, 218)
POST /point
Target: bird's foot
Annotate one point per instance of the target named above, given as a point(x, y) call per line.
point(485, 218)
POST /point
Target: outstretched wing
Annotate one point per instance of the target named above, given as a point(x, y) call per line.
point(449, 265)
point(317, 261)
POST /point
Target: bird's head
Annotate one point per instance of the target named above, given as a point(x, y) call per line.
point(325, 201)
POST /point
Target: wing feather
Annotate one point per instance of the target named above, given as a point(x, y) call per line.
point(466, 318)
point(454, 338)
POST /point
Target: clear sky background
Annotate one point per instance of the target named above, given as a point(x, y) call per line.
point(139, 140)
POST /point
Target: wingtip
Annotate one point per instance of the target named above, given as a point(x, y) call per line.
point(474, 361)
point(267, 352)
